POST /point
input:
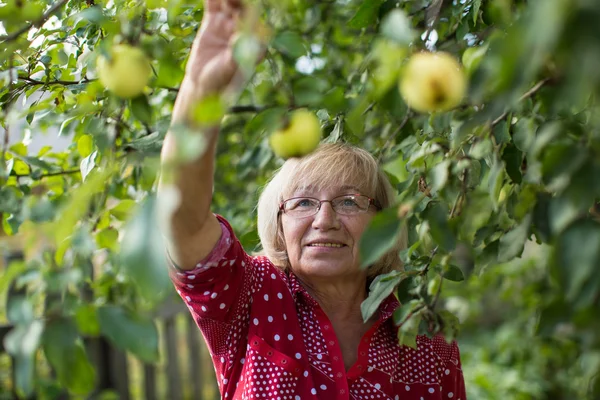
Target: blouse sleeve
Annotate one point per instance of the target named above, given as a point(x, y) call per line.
point(218, 293)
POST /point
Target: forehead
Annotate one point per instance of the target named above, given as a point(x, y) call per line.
point(329, 191)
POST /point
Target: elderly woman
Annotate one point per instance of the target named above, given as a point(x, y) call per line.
point(288, 325)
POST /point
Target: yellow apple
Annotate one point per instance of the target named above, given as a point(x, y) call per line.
point(126, 72)
point(433, 82)
point(300, 137)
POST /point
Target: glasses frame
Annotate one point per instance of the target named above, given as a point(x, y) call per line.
point(372, 202)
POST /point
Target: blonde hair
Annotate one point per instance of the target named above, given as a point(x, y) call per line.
point(329, 165)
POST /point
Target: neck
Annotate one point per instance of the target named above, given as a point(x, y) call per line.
point(340, 299)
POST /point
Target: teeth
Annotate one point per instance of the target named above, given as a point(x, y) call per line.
point(326, 245)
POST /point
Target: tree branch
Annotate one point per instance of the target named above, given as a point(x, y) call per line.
point(526, 95)
point(393, 135)
point(7, 127)
point(56, 82)
point(57, 173)
point(39, 22)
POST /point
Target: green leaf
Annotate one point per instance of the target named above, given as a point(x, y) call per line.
point(403, 292)
point(407, 333)
point(451, 325)
point(290, 44)
point(453, 273)
point(12, 271)
point(309, 90)
point(209, 111)
point(143, 253)
point(366, 14)
point(559, 162)
point(496, 181)
point(123, 210)
point(266, 121)
point(86, 318)
point(77, 205)
point(397, 27)
point(576, 257)
point(141, 109)
point(524, 134)
point(85, 145)
point(87, 164)
point(513, 158)
point(108, 239)
point(437, 215)
point(404, 310)
point(21, 343)
point(129, 332)
point(246, 52)
point(64, 350)
point(379, 290)
point(380, 236)
point(513, 242)
point(476, 5)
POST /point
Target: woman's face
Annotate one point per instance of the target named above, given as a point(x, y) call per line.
point(325, 244)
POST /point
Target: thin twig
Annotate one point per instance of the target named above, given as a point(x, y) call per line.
point(526, 95)
point(369, 108)
point(56, 82)
point(39, 22)
point(247, 108)
point(57, 173)
point(7, 127)
point(437, 295)
point(393, 135)
point(410, 314)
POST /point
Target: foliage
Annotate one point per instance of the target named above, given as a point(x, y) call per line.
point(516, 165)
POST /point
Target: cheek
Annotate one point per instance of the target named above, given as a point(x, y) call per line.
point(292, 232)
point(359, 227)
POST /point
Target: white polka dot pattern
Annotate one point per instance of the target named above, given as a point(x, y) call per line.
point(269, 339)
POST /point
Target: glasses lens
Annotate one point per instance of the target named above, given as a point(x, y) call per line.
point(350, 204)
point(301, 206)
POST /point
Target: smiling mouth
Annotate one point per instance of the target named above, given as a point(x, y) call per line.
point(336, 245)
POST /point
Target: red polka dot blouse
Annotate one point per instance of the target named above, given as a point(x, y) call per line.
point(269, 339)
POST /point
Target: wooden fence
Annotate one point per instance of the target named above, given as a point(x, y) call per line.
point(184, 371)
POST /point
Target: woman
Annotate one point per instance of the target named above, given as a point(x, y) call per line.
point(288, 325)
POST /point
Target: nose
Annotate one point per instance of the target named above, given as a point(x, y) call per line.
point(326, 218)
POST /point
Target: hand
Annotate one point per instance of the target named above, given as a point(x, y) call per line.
point(211, 67)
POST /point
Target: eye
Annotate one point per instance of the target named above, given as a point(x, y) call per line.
point(349, 202)
point(302, 203)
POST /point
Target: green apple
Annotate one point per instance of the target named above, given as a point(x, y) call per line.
point(433, 82)
point(299, 137)
point(126, 72)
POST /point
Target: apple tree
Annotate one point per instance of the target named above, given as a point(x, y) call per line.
point(484, 113)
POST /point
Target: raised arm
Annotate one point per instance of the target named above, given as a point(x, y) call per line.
point(193, 230)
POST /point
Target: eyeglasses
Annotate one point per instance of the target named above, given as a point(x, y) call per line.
point(348, 204)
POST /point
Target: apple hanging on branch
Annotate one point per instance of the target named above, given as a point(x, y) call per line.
point(433, 82)
point(299, 137)
point(125, 72)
